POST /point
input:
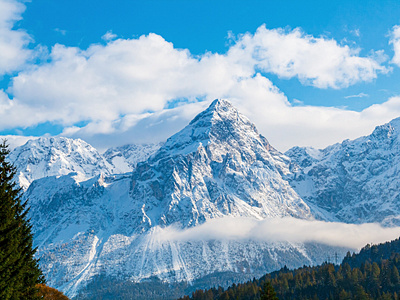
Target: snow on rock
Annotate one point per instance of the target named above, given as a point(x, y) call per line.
point(86, 228)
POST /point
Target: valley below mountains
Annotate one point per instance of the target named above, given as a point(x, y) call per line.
point(185, 209)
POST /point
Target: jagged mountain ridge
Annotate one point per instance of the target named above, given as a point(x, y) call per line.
point(355, 181)
point(45, 157)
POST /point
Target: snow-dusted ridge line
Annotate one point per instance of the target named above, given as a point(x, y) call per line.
point(57, 156)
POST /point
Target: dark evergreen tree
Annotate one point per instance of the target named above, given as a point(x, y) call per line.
point(19, 270)
point(268, 292)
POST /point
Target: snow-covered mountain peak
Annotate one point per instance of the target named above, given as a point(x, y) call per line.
point(217, 165)
point(218, 106)
point(218, 109)
point(56, 146)
point(54, 156)
point(59, 142)
point(220, 125)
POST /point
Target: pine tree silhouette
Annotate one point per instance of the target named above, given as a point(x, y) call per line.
point(19, 270)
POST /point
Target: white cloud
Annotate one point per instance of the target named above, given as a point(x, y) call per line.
point(13, 51)
point(360, 95)
point(60, 31)
point(319, 62)
point(283, 230)
point(137, 128)
point(108, 36)
point(286, 126)
point(395, 41)
point(356, 32)
point(123, 77)
point(297, 102)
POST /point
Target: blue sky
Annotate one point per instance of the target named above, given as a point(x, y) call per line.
point(308, 73)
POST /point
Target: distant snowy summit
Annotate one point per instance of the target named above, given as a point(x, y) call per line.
point(57, 156)
point(45, 157)
point(125, 158)
point(355, 181)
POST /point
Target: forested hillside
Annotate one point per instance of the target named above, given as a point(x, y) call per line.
point(371, 274)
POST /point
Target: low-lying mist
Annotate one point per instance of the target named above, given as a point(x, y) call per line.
point(286, 229)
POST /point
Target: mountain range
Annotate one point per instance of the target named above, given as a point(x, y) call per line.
point(110, 214)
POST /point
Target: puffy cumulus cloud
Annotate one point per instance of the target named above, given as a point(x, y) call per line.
point(13, 51)
point(5, 102)
point(282, 230)
point(145, 89)
point(123, 77)
point(395, 41)
point(319, 62)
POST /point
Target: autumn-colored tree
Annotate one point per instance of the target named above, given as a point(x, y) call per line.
point(49, 293)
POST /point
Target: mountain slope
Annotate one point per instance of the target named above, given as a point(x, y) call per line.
point(354, 181)
point(85, 229)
